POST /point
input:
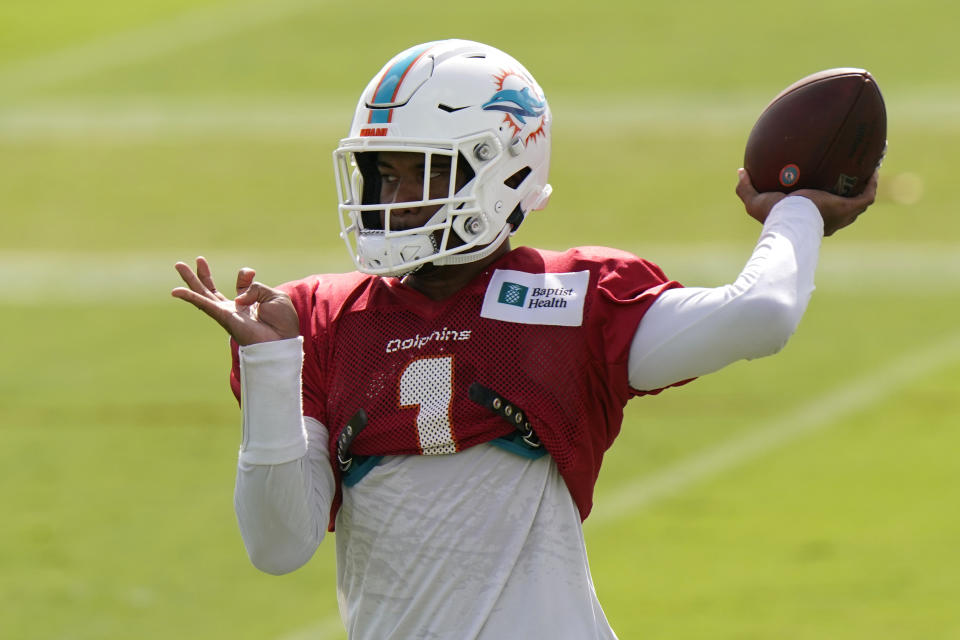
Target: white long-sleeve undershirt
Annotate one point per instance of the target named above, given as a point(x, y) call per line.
point(690, 332)
point(285, 482)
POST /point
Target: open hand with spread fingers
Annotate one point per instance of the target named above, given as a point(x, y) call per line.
point(258, 313)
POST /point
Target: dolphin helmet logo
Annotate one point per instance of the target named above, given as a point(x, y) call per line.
point(519, 104)
point(525, 109)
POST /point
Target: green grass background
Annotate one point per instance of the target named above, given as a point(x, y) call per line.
point(133, 135)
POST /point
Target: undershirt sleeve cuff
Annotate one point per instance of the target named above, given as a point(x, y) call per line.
point(272, 406)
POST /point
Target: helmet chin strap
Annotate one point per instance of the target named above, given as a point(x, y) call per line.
point(473, 256)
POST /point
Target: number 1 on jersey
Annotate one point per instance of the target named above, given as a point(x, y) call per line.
point(428, 383)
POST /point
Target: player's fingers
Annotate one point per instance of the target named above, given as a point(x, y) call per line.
point(856, 205)
point(191, 279)
point(244, 279)
point(202, 302)
point(869, 195)
point(205, 276)
point(745, 190)
point(205, 304)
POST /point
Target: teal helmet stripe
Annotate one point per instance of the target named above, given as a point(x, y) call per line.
point(389, 85)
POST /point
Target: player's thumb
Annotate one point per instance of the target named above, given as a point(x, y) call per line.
point(244, 278)
point(255, 292)
point(274, 309)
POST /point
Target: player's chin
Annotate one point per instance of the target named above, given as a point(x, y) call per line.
point(453, 242)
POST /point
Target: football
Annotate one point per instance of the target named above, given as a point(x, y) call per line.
point(827, 131)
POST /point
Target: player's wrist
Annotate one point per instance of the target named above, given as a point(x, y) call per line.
point(795, 209)
point(270, 384)
point(272, 349)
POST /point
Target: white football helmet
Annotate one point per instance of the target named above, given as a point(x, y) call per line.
point(462, 102)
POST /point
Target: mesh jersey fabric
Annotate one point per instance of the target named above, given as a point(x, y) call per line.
point(408, 361)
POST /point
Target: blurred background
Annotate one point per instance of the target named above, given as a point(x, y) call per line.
point(809, 495)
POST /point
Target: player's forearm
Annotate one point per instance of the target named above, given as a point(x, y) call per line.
point(694, 331)
point(284, 480)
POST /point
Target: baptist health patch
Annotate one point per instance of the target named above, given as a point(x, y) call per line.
point(536, 298)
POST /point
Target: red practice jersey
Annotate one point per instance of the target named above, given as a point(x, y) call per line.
point(550, 332)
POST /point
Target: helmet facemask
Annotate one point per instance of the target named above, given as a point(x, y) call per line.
point(495, 174)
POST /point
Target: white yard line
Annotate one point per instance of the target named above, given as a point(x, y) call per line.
point(144, 118)
point(810, 417)
point(39, 277)
point(150, 116)
point(145, 43)
point(136, 277)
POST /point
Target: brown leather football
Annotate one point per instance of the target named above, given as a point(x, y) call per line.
point(827, 131)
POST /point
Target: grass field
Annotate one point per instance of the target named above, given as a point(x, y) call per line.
point(811, 495)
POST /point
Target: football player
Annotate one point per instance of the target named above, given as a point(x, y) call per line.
point(446, 407)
